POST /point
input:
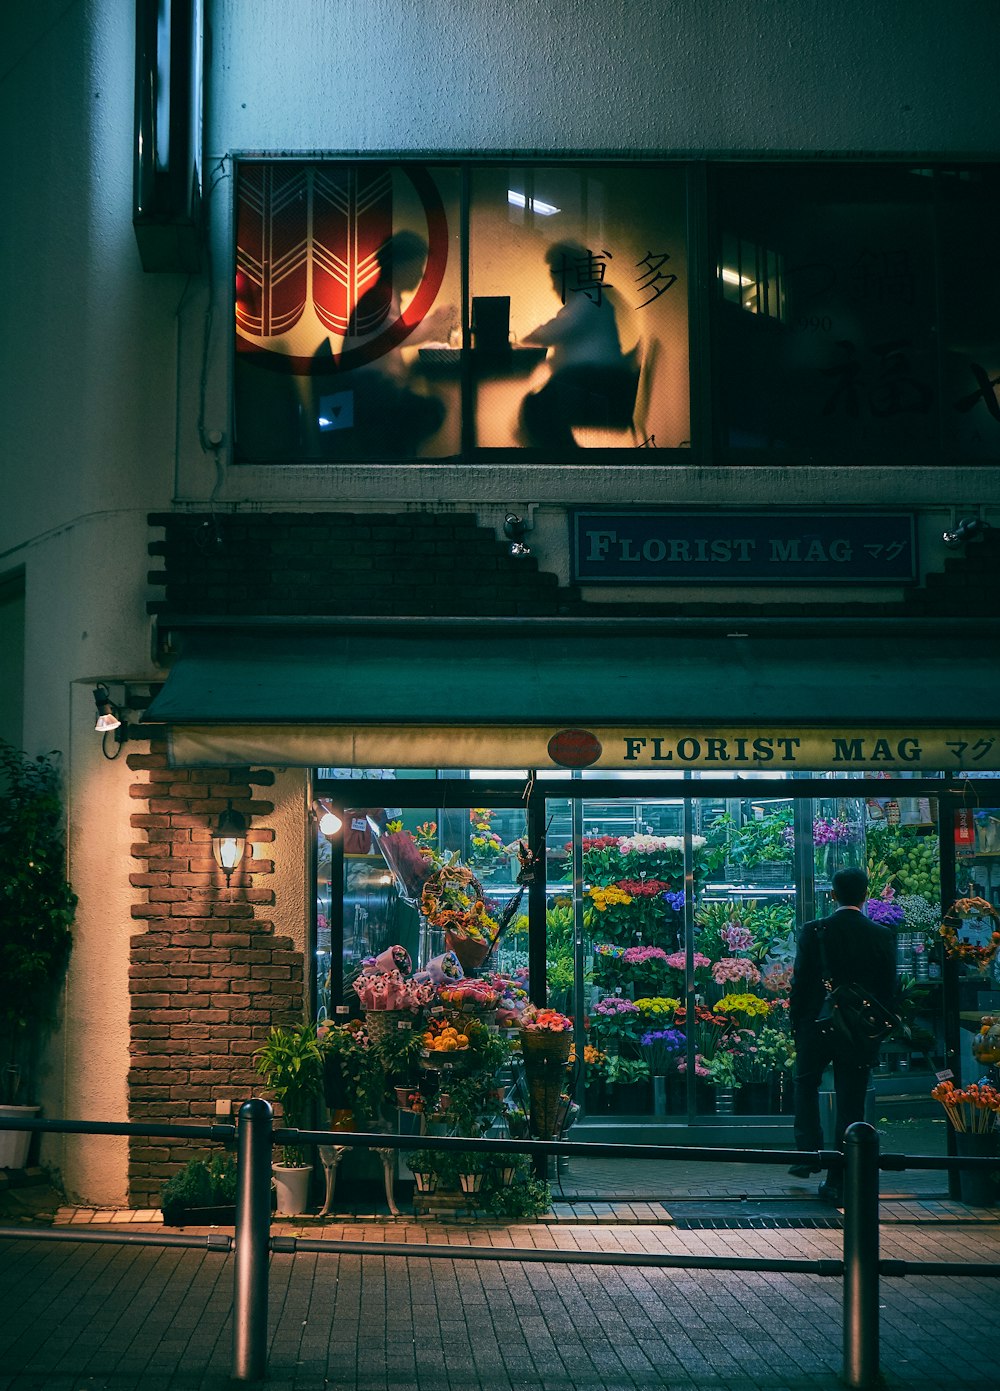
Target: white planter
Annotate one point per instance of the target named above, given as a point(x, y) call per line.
point(425, 1183)
point(14, 1144)
point(471, 1183)
point(292, 1188)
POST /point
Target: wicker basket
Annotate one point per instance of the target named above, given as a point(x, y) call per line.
point(380, 1022)
point(546, 1056)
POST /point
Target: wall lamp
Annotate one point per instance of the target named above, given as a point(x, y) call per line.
point(112, 724)
point(327, 820)
point(966, 529)
point(514, 528)
point(229, 840)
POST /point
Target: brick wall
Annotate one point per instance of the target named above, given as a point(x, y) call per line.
point(329, 563)
point(208, 975)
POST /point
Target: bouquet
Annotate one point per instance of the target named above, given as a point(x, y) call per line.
point(390, 991)
point(973, 1108)
point(665, 1047)
point(549, 1021)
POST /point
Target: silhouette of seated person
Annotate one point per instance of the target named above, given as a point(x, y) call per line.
point(388, 418)
point(591, 381)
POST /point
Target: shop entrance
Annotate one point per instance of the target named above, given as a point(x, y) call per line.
point(661, 919)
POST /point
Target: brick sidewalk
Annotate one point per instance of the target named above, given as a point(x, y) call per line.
point(110, 1318)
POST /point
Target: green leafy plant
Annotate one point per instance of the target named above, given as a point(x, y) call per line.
point(625, 1071)
point(291, 1063)
point(201, 1183)
point(722, 1070)
point(36, 912)
point(525, 1197)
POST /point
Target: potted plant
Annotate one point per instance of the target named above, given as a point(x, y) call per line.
point(425, 1167)
point(36, 909)
point(472, 1169)
point(291, 1063)
point(630, 1079)
point(203, 1193)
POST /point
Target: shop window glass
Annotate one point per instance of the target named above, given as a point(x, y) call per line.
point(354, 341)
point(839, 264)
point(579, 308)
point(342, 272)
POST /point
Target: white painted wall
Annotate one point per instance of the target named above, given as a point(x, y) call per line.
point(102, 364)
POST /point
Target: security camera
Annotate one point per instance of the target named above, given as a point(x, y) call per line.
point(514, 528)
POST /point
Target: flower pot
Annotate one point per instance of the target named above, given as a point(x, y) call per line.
point(403, 1097)
point(753, 1099)
point(724, 1101)
point(424, 1182)
point(14, 1144)
point(292, 1188)
point(471, 1183)
point(979, 1189)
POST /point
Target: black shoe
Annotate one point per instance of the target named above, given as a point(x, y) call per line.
point(804, 1170)
point(832, 1194)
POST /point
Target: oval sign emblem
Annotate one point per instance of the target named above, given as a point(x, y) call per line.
point(574, 748)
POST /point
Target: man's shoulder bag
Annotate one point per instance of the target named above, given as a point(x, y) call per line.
point(851, 1014)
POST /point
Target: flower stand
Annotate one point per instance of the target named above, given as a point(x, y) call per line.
point(545, 1055)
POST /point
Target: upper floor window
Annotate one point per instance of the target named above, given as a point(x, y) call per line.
point(400, 311)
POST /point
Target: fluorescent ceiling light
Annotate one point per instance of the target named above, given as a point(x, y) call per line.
point(732, 277)
point(518, 200)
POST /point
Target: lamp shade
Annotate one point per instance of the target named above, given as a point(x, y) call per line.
point(229, 841)
point(106, 717)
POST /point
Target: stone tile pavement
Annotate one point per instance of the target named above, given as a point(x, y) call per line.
point(111, 1318)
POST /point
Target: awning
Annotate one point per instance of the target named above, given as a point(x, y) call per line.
point(416, 694)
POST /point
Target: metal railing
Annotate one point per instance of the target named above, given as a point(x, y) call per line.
point(860, 1266)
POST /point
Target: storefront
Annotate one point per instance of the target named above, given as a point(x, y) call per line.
point(644, 876)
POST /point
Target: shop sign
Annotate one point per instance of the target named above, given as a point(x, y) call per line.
point(720, 749)
point(680, 547)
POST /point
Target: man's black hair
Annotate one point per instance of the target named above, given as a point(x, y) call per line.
point(850, 886)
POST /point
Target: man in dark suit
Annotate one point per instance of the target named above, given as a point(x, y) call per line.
point(858, 952)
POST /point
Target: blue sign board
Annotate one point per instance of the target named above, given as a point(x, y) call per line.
point(736, 547)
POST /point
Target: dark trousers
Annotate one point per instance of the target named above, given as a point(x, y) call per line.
point(813, 1055)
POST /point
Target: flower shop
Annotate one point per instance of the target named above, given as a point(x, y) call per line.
point(622, 963)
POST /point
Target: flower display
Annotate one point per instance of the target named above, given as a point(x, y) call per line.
point(986, 1044)
point(550, 1021)
point(657, 1006)
point(453, 899)
point(608, 896)
point(750, 1005)
point(973, 1108)
point(613, 1006)
point(735, 968)
point(469, 994)
point(885, 911)
point(664, 1047)
point(389, 990)
point(643, 888)
point(700, 1065)
point(675, 899)
point(777, 979)
point(677, 961)
point(736, 937)
point(978, 953)
point(763, 1053)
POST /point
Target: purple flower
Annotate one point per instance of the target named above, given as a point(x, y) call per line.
point(880, 911)
point(676, 900)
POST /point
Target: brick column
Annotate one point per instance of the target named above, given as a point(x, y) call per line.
point(208, 976)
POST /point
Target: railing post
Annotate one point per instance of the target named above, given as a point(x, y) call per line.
point(253, 1225)
point(861, 1256)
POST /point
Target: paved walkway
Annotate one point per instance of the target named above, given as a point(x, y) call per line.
point(110, 1318)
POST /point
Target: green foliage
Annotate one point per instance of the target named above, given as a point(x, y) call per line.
point(37, 906)
point(759, 842)
point(627, 1070)
point(911, 860)
point(351, 1080)
point(526, 1197)
point(202, 1183)
point(291, 1063)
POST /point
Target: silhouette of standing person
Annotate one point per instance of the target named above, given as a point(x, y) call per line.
point(856, 951)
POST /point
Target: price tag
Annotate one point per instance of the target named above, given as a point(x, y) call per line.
point(945, 1075)
point(342, 1009)
point(437, 1009)
point(404, 1024)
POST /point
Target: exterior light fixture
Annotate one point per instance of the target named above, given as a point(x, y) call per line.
point(107, 719)
point(229, 841)
point(966, 529)
point(327, 819)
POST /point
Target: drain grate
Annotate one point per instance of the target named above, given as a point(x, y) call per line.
point(694, 1224)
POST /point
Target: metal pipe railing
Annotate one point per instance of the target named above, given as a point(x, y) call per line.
point(861, 1266)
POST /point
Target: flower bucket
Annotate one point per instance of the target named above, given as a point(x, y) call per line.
point(425, 1183)
point(978, 1189)
point(291, 1185)
point(403, 1098)
point(471, 1183)
point(724, 1101)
